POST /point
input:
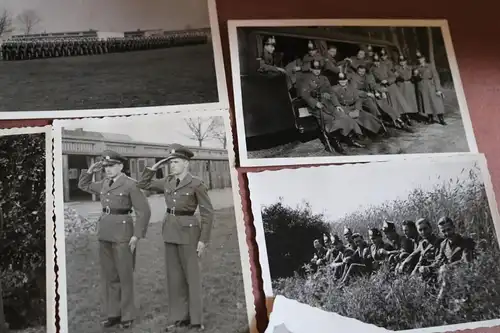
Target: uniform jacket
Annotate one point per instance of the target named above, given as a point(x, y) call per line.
point(332, 65)
point(355, 62)
point(364, 83)
point(427, 72)
point(188, 196)
point(311, 87)
point(426, 251)
point(266, 63)
point(347, 96)
point(404, 73)
point(460, 250)
point(306, 61)
point(123, 194)
point(382, 72)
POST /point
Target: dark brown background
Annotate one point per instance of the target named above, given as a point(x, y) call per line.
point(474, 29)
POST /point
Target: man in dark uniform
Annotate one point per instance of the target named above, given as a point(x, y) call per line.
point(320, 254)
point(402, 245)
point(312, 55)
point(349, 99)
point(184, 236)
point(348, 235)
point(117, 234)
point(426, 250)
point(267, 63)
point(315, 89)
point(378, 247)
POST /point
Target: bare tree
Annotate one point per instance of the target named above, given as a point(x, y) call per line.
point(5, 23)
point(28, 19)
point(219, 132)
point(201, 128)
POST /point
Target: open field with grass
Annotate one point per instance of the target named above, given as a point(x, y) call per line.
point(224, 300)
point(172, 76)
point(400, 301)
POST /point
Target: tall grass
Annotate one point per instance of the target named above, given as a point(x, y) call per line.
point(404, 302)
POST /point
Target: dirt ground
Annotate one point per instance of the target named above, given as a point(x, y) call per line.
point(179, 75)
point(222, 282)
point(423, 138)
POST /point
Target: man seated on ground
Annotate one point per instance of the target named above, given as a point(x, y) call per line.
point(360, 262)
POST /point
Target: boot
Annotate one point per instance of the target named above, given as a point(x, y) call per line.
point(351, 142)
point(430, 119)
point(408, 120)
point(441, 119)
point(336, 145)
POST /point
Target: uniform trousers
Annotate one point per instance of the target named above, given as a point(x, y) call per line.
point(185, 299)
point(117, 272)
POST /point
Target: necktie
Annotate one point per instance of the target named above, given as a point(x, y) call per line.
point(177, 182)
point(111, 182)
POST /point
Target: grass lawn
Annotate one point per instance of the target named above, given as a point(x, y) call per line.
point(224, 299)
point(179, 75)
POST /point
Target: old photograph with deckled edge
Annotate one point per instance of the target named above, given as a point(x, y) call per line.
point(159, 240)
point(109, 57)
point(27, 266)
point(326, 91)
point(407, 245)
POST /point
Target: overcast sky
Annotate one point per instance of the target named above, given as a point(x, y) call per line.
point(339, 190)
point(152, 129)
point(111, 15)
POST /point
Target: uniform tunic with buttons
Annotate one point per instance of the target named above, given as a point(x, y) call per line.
point(381, 72)
point(312, 89)
point(267, 65)
point(406, 85)
point(349, 98)
point(122, 195)
point(116, 228)
point(181, 234)
point(427, 85)
point(190, 194)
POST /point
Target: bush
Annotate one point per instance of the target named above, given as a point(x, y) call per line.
point(22, 201)
point(289, 237)
point(404, 302)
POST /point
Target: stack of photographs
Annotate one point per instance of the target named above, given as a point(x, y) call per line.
point(134, 210)
point(400, 230)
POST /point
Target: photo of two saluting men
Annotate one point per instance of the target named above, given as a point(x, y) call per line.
point(199, 256)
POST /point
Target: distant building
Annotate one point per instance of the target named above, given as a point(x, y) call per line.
point(72, 34)
point(82, 148)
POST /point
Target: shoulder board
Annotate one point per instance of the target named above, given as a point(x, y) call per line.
point(132, 179)
point(199, 180)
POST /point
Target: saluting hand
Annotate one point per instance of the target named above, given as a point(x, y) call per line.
point(158, 164)
point(132, 244)
point(95, 167)
point(200, 249)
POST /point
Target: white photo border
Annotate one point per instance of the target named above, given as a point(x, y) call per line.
point(222, 91)
point(485, 177)
point(51, 276)
point(245, 161)
point(244, 249)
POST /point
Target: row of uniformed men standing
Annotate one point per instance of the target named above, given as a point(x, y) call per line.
point(66, 47)
point(184, 236)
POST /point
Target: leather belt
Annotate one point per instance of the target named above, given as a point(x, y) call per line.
point(176, 212)
point(112, 211)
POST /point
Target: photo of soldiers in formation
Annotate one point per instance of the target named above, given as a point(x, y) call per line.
point(368, 90)
point(106, 55)
point(21, 49)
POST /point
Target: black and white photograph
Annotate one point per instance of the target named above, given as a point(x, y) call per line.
point(149, 236)
point(27, 277)
point(311, 91)
point(402, 245)
point(114, 57)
